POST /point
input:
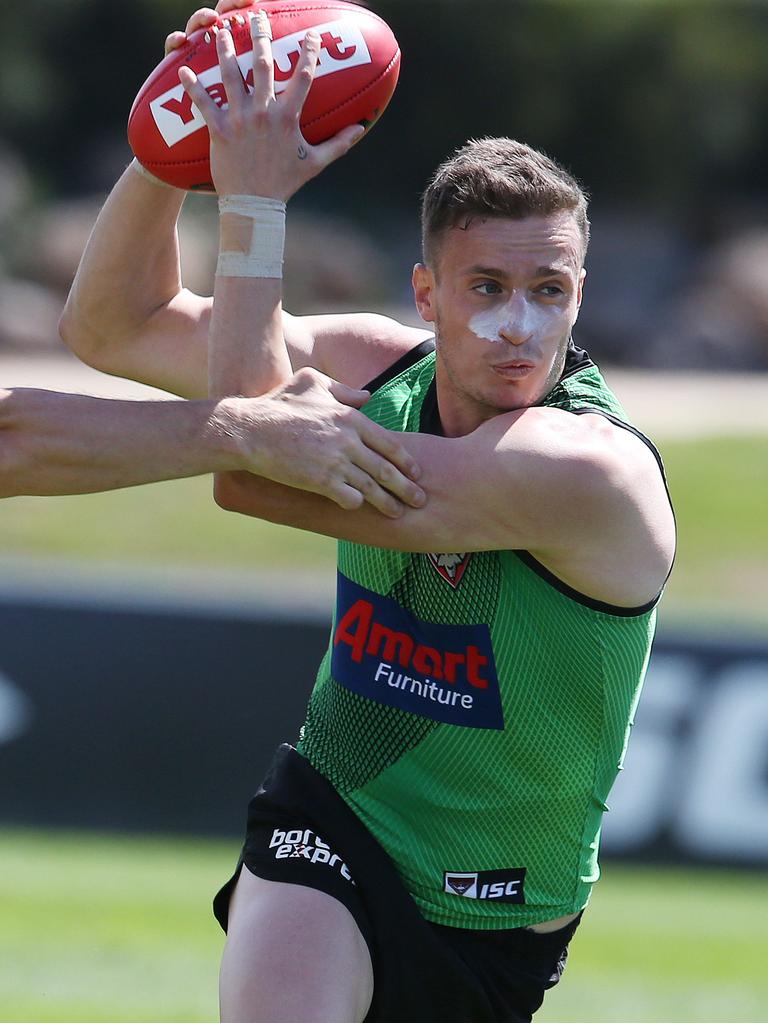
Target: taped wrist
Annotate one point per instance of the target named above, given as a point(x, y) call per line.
point(252, 243)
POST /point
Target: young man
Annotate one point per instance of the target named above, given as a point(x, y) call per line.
point(428, 850)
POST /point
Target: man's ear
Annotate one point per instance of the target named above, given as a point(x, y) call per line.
point(423, 280)
point(580, 292)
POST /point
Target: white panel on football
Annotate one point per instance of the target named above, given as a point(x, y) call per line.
point(343, 46)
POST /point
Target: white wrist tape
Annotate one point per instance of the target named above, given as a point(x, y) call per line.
point(264, 255)
point(142, 170)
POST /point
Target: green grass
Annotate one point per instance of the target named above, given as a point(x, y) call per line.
point(720, 488)
point(118, 930)
point(163, 523)
point(720, 491)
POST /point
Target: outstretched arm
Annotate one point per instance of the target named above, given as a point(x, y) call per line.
point(307, 434)
point(54, 443)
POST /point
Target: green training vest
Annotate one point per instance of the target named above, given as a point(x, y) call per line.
point(473, 710)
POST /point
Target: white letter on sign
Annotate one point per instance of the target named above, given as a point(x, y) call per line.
point(726, 809)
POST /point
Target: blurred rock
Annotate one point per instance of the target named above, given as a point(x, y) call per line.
point(720, 321)
point(199, 242)
point(53, 240)
point(29, 314)
point(332, 264)
point(15, 187)
point(636, 268)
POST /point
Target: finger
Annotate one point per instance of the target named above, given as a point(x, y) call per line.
point(337, 146)
point(343, 495)
point(390, 478)
point(173, 42)
point(263, 66)
point(373, 494)
point(348, 395)
point(300, 82)
point(203, 18)
point(386, 443)
point(231, 78)
point(198, 95)
point(223, 6)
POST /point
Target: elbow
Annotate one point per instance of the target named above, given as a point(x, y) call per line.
point(93, 341)
point(79, 337)
point(11, 462)
point(228, 491)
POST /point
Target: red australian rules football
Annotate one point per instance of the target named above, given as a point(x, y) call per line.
point(356, 75)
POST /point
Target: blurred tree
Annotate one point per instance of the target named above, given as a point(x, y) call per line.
point(663, 99)
point(659, 106)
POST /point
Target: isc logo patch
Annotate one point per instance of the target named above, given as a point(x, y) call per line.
point(444, 672)
point(495, 885)
point(342, 46)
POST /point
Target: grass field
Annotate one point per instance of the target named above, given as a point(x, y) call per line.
point(720, 488)
point(118, 930)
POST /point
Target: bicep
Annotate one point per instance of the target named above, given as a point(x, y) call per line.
point(480, 496)
point(170, 349)
point(353, 348)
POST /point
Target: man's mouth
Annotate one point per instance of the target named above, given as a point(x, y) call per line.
point(513, 369)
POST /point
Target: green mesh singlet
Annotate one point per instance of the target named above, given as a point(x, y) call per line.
point(517, 798)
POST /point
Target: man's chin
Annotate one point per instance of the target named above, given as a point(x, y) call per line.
point(522, 397)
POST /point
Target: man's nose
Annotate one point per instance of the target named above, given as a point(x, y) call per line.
point(515, 325)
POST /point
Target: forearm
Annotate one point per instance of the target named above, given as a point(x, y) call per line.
point(130, 267)
point(53, 443)
point(247, 349)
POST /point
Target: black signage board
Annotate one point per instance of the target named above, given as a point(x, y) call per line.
point(164, 721)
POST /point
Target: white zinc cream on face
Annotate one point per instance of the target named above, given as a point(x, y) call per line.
point(532, 320)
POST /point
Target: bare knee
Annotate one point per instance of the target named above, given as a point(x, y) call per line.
point(292, 953)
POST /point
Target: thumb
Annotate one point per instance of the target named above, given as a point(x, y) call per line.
point(330, 150)
point(348, 395)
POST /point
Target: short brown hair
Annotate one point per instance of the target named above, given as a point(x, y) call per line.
point(497, 177)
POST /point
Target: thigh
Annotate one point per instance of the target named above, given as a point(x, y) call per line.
point(292, 953)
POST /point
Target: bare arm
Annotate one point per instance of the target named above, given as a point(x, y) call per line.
point(54, 443)
point(259, 159)
point(129, 314)
point(307, 434)
point(584, 497)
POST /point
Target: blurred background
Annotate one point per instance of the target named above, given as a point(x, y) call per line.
point(154, 649)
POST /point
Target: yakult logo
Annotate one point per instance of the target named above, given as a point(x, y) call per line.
point(443, 672)
point(342, 46)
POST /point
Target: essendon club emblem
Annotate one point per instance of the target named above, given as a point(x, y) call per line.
point(450, 567)
point(461, 884)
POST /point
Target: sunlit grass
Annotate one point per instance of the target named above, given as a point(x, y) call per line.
point(119, 929)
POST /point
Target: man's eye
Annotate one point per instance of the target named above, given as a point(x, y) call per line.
point(488, 288)
point(551, 290)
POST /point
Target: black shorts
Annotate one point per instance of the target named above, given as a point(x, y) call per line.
point(301, 831)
